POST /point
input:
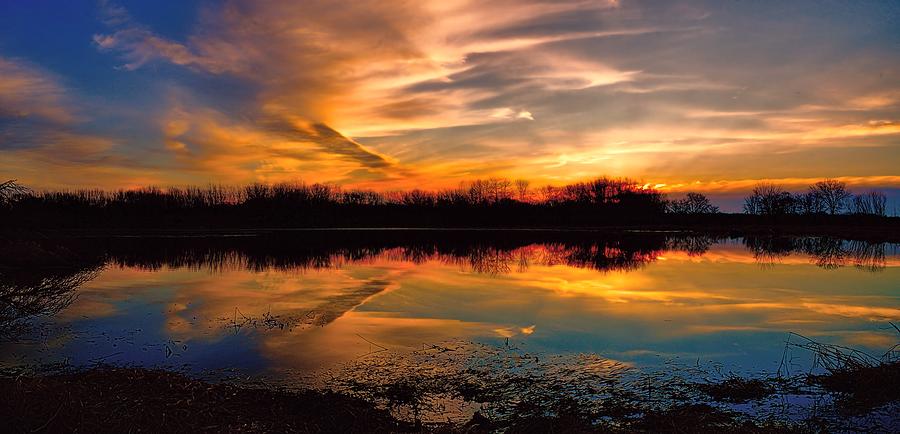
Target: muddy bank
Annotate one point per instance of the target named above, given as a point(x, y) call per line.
point(118, 400)
point(106, 399)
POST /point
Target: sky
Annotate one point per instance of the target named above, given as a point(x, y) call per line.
point(709, 96)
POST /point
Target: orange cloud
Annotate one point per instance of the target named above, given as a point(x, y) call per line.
point(28, 91)
point(393, 94)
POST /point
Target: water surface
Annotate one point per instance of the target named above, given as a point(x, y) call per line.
point(300, 303)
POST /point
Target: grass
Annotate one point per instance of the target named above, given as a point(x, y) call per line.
point(860, 381)
point(862, 388)
point(738, 390)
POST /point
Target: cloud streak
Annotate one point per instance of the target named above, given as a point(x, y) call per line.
point(397, 94)
point(27, 91)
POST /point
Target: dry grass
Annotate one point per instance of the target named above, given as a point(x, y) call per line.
point(738, 390)
point(862, 388)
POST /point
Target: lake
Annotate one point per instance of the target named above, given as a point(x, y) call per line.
point(291, 304)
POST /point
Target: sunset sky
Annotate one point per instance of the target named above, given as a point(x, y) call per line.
point(701, 95)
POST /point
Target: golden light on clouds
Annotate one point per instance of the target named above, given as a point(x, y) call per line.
point(392, 94)
point(400, 304)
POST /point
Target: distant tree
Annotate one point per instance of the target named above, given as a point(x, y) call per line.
point(361, 197)
point(490, 191)
point(478, 192)
point(522, 189)
point(693, 203)
point(833, 194)
point(551, 195)
point(500, 189)
point(872, 202)
point(769, 199)
point(418, 198)
point(809, 203)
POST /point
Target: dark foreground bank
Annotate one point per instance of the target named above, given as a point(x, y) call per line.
point(119, 400)
point(116, 400)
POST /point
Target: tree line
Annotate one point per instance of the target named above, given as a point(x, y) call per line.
point(480, 192)
point(489, 202)
point(492, 202)
point(826, 197)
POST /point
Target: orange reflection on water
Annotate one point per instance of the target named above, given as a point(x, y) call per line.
point(720, 303)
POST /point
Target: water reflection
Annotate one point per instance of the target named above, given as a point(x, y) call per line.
point(308, 300)
point(828, 253)
point(491, 253)
point(479, 252)
point(38, 288)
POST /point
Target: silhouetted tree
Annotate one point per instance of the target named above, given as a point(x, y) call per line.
point(692, 203)
point(809, 203)
point(418, 198)
point(552, 195)
point(769, 199)
point(833, 194)
point(872, 203)
point(361, 197)
point(500, 189)
point(479, 192)
point(522, 189)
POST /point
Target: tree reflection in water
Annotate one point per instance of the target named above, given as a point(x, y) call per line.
point(825, 252)
point(41, 277)
point(36, 282)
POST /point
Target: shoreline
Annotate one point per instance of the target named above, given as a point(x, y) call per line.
point(107, 398)
point(887, 232)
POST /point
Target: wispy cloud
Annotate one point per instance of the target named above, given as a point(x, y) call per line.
point(27, 91)
point(396, 93)
point(42, 133)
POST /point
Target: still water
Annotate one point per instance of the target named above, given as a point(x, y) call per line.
point(305, 302)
